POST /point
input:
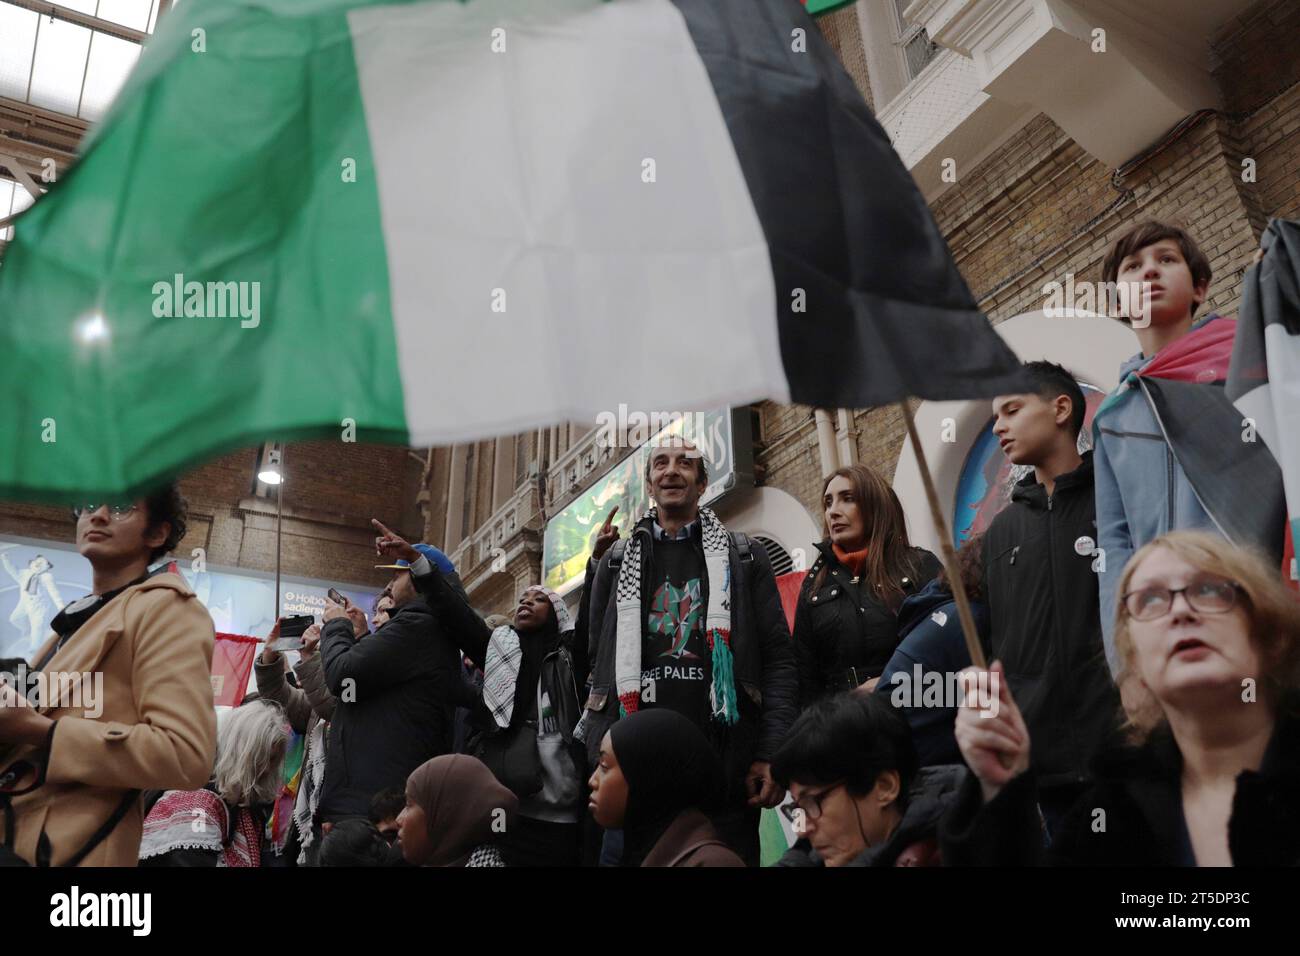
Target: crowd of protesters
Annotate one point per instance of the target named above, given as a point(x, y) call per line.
point(1140, 707)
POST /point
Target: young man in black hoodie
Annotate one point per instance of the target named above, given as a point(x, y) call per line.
point(1041, 581)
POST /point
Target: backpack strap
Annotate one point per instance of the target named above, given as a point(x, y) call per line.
point(616, 552)
point(742, 546)
point(100, 835)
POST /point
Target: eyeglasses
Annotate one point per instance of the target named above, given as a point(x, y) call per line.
point(116, 510)
point(809, 806)
point(1207, 594)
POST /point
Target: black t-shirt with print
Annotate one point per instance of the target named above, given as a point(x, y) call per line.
point(675, 660)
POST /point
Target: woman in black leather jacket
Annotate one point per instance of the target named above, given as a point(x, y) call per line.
point(846, 622)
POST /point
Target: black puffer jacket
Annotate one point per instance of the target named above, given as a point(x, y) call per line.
point(1042, 597)
point(932, 793)
point(844, 635)
point(767, 685)
point(395, 691)
point(1140, 791)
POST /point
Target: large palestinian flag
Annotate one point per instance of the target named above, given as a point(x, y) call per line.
point(442, 220)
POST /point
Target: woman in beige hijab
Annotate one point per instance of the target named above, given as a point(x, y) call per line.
point(455, 814)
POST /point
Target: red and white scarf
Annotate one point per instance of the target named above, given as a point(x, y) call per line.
point(199, 820)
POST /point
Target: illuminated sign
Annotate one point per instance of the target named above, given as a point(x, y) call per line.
point(569, 535)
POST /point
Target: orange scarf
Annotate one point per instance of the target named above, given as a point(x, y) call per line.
point(853, 560)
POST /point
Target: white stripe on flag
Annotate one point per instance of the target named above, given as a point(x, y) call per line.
point(1276, 401)
point(522, 171)
point(1283, 355)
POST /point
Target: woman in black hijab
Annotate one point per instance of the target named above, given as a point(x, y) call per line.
point(657, 777)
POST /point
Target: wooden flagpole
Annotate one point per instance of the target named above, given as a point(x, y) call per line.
point(945, 545)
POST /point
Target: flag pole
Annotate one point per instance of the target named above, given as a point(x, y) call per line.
point(947, 552)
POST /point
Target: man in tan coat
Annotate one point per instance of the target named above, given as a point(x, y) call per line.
point(72, 765)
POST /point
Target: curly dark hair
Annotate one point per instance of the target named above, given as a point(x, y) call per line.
point(165, 504)
point(970, 566)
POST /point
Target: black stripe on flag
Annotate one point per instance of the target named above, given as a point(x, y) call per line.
point(1239, 482)
point(888, 315)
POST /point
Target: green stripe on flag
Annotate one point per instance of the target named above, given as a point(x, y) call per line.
point(224, 161)
point(772, 840)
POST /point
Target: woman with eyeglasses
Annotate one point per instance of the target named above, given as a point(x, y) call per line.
point(1209, 643)
point(858, 796)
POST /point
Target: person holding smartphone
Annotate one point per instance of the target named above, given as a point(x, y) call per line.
point(309, 708)
point(395, 690)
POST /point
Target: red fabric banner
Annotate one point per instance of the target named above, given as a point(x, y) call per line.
point(788, 585)
point(232, 662)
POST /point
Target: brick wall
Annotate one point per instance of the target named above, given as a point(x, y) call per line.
point(843, 33)
point(332, 492)
point(1260, 76)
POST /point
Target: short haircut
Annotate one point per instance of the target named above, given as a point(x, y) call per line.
point(387, 804)
point(1050, 380)
point(1270, 607)
point(355, 842)
point(1148, 233)
point(166, 504)
point(849, 737)
point(701, 466)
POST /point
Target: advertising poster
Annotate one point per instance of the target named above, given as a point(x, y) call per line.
point(570, 534)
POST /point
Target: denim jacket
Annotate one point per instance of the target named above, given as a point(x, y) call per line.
point(1142, 490)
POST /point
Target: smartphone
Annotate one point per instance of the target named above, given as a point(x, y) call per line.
point(291, 632)
point(336, 597)
point(296, 626)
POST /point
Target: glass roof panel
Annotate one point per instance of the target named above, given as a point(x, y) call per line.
point(60, 66)
point(17, 38)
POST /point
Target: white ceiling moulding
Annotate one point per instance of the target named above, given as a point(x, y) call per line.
point(944, 115)
point(1040, 54)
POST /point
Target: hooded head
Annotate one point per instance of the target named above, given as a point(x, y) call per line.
point(453, 806)
point(665, 765)
point(526, 616)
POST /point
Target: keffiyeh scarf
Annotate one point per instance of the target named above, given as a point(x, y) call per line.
point(504, 655)
point(487, 855)
point(199, 820)
point(629, 635)
point(309, 787)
